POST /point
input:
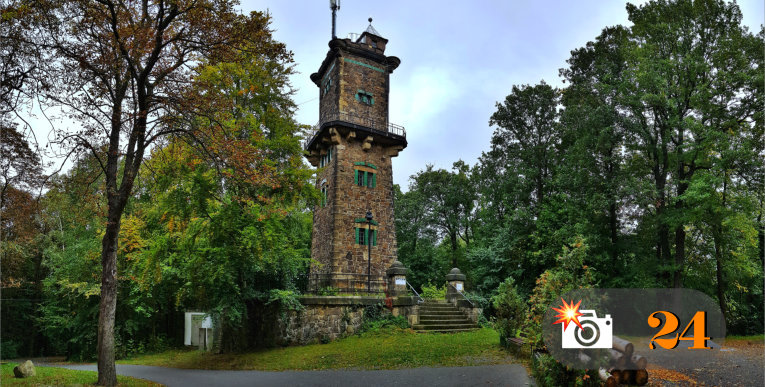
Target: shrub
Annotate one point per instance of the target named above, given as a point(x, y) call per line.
point(548, 372)
point(510, 310)
point(377, 317)
point(9, 349)
point(570, 273)
point(433, 292)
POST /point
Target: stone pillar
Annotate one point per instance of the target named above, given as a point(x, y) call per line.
point(455, 280)
point(396, 279)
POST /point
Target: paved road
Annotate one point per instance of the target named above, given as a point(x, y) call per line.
point(494, 375)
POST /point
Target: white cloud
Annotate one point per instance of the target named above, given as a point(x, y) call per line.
point(422, 98)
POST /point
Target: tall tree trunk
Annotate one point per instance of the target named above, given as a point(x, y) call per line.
point(761, 237)
point(677, 275)
point(453, 240)
point(717, 238)
point(663, 254)
point(613, 226)
point(682, 186)
point(115, 203)
point(107, 374)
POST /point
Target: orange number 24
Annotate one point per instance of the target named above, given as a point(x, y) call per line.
point(698, 321)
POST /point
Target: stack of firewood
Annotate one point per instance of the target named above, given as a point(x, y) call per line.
point(626, 367)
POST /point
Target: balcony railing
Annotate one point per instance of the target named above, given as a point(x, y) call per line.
point(374, 125)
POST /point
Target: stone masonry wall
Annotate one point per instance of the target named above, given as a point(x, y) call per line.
point(329, 318)
point(357, 73)
point(334, 240)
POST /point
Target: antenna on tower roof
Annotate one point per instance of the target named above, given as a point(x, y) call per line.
point(334, 5)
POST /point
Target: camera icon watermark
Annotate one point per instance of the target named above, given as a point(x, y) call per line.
point(583, 329)
point(591, 332)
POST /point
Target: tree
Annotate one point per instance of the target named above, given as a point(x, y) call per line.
point(16, 56)
point(20, 167)
point(118, 68)
point(593, 138)
point(691, 72)
point(516, 178)
point(417, 243)
point(448, 204)
point(231, 219)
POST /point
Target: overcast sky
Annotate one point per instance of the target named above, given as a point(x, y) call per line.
point(457, 59)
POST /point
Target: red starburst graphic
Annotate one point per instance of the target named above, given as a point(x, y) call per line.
point(568, 313)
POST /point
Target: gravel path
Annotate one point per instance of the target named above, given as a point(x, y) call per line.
point(494, 375)
point(737, 363)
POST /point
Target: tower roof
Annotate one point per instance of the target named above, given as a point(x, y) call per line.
point(371, 29)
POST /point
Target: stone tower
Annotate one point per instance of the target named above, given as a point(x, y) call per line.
point(352, 145)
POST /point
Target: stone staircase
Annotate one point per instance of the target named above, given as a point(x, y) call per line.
point(440, 316)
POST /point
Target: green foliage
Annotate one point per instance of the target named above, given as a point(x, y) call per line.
point(548, 372)
point(510, 310)
point(10, 349)
point(377, 317)
point(569, 273)
point(431, 291)
point(287, 299)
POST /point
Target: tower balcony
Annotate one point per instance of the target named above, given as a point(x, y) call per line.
point(383, 130)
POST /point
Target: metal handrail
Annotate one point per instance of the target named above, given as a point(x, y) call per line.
point(463, 295)
point(421, 300)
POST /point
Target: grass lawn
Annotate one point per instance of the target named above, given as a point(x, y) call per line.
point(388, 348)
point(51, 376)
point(752, 338)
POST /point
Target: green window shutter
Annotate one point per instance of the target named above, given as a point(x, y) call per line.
point(374, 180)
point(365, 178)
point(357, 235)
point(355, 176)
point(374, 238)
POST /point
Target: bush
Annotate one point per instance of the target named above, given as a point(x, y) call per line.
point(548, 372)
point(569, 273)
point(433, 292)
point(377, 317)
point(9, 349)
point(510, 310)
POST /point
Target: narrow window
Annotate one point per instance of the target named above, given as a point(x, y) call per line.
point(325, 159)
point(365, 97)
point(364, 236)
point(361, 236)
point(327, 86)
point(365, 178)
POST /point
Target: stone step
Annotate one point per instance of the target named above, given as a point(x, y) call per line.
point(447, 322)
point(440, 312)
point(444, 330)
point(438, 308)
point(424, 317)
point(429, 327)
